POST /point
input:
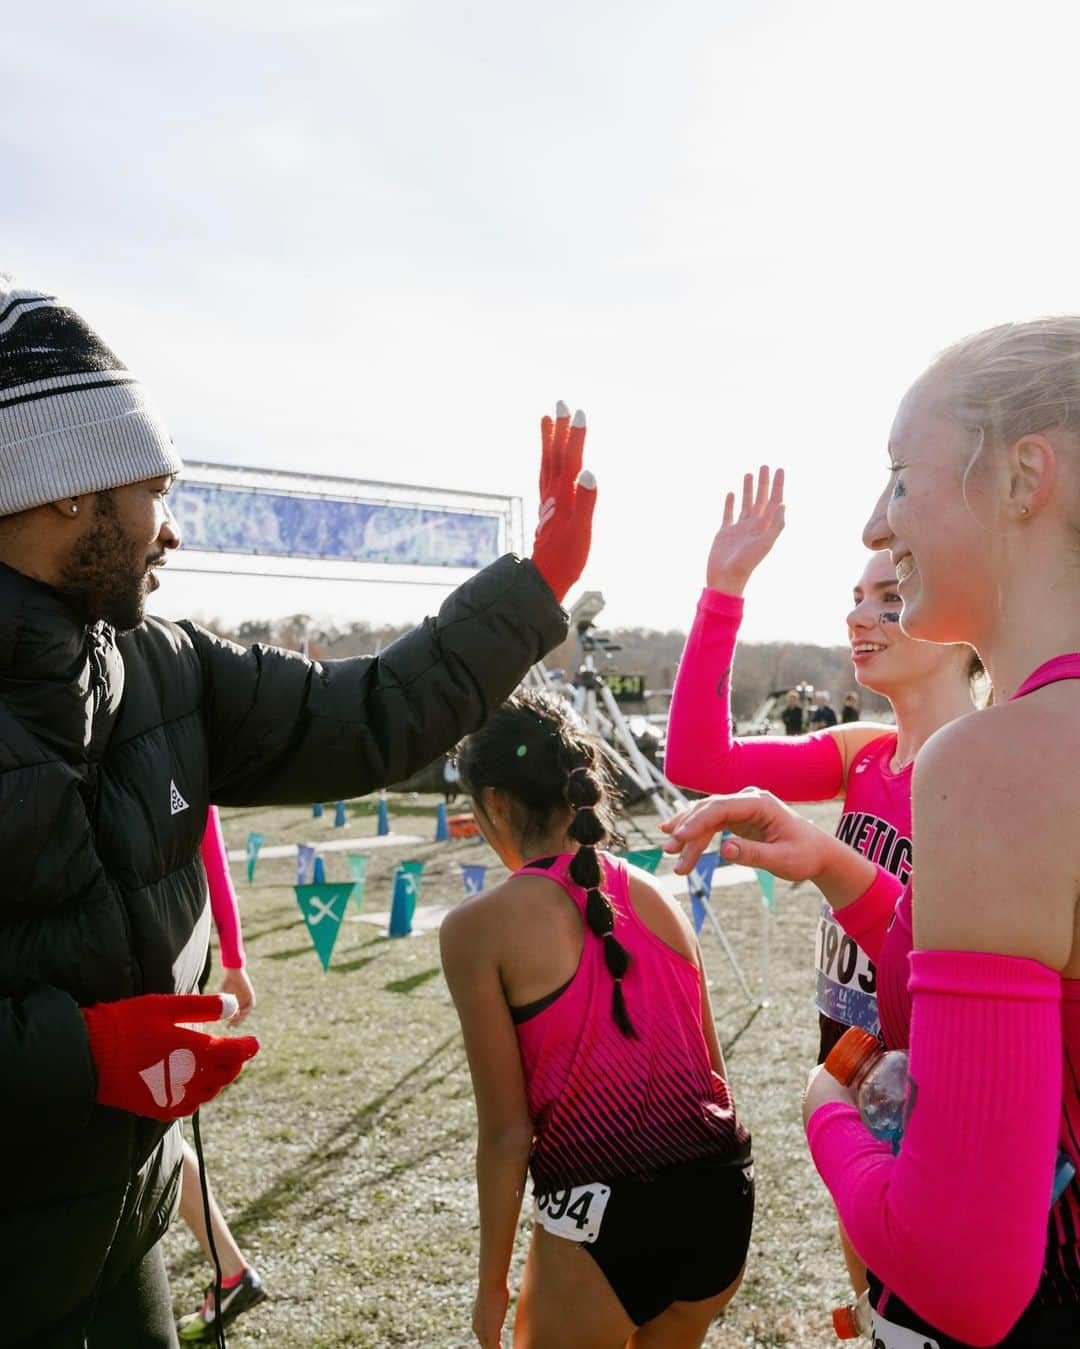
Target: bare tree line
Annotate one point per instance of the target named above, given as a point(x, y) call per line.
point(760, 667)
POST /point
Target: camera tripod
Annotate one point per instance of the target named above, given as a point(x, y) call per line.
point(603, 715)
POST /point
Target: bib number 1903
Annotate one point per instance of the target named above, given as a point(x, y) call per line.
point(573, 1212)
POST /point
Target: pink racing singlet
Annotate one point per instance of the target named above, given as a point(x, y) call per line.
point(604, 1104)
point(1061, 1275)
point(876, 821)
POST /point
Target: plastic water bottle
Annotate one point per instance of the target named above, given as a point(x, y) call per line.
point(879, 1079)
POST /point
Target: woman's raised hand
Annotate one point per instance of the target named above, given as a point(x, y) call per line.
point(770, 835)
point(741, 544)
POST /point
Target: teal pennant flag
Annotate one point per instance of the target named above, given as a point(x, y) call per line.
point(358, 870)
point(323, 907)
point(648, 859)
point(254, 843)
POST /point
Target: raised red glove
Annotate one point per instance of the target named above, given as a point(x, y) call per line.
point(149, 1065)
point(567, 500)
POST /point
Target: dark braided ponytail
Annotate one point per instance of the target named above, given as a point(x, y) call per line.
point(536, 748)
point(583, 793)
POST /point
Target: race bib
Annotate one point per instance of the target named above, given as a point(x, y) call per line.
point(575, 1213)
point(846, 976)
point(889, 1336)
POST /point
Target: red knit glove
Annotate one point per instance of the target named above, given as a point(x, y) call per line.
point(149, 1065)
point(567, 499)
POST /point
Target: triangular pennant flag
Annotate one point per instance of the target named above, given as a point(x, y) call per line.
point(305, 860)
point(254, 843)
point(339, 815)
point(699, 883)
point(473, 876)
point(767, 882)
point(323, 907)
point(403, 903)
point(358, 870)
point(648, 859)
point(318, 872)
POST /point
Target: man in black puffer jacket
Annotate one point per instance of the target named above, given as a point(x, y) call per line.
point(116, 733)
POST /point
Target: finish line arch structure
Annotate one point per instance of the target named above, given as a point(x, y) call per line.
point(268, 523)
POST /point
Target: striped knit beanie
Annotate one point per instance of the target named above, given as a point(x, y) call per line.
point(72, 419)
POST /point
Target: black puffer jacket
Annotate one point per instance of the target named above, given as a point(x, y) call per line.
point(111, 749)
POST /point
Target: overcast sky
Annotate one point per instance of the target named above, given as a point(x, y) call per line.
point(379, 239)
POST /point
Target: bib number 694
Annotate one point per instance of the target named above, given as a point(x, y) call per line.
point(574, 1213)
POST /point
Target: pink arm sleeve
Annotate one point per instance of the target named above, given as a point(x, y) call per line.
point(955, 1224)
point(701, 753)
point(223, 903)
point(867, 920)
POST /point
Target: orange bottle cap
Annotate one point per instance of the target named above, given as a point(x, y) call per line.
point(843, 1319)
point(850, 1053)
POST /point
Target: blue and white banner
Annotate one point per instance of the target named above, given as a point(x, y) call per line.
point(220, 519)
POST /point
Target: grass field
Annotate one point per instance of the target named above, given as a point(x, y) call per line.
point(343, 1156)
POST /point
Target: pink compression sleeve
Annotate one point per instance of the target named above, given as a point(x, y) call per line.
point(955, 1224)
point(701, 753)
point(223, 903)
point(867, 920)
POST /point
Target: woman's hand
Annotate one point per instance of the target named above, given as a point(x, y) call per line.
point(240, 986)
point(489, 1313)
point(821, 1088)
point(771, 835)
point(740, 545)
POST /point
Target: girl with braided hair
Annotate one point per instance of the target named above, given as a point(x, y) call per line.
point(595, 1062)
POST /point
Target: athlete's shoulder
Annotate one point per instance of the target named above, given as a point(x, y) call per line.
point(856, 739)
point(995, 802)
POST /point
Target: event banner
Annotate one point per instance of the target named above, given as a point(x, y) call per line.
point(227, 519)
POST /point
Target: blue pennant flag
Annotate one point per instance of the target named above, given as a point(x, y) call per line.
point(305, 860)
point(699, 883)
point(473, 877)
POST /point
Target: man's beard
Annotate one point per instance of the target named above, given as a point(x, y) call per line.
point(104, 579)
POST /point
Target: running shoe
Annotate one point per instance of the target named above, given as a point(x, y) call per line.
point(198, 1327)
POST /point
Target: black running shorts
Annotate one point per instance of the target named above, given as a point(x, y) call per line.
point(680, 1235)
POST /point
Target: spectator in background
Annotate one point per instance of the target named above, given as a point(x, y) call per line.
point(792, 715)
point(850, 710)
point(823, 715)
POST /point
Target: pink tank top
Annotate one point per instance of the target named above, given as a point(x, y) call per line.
point(1061, 1276)
point(876, 821)
point(605, 1104)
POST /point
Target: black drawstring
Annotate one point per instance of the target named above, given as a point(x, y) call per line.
point(219, 1329)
